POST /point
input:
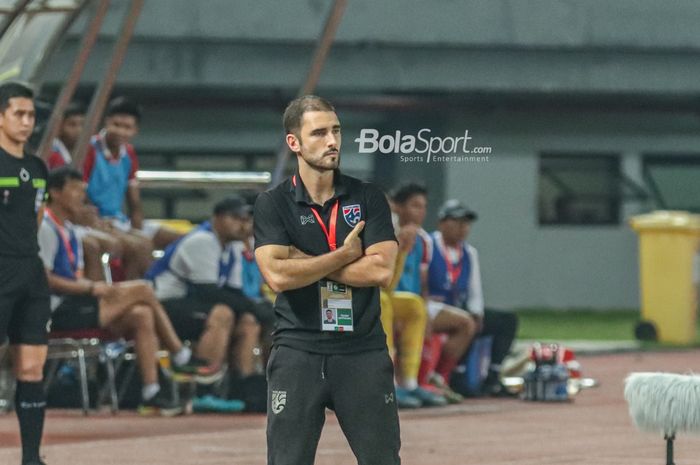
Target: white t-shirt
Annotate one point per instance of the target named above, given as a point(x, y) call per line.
point(198, 259)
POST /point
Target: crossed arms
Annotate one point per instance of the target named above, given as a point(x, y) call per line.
point(286, 267)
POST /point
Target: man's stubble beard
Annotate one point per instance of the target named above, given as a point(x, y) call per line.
point(318, 166)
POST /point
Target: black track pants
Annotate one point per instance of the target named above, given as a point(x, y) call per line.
point(359, 387)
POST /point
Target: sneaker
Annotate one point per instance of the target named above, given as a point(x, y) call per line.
point(211, 403)
point(428, 398)
point(199, 370)
point(451, 396)
point(438, 382)
point(157, 405)
point(404, 399)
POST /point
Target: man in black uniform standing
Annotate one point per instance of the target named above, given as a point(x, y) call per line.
point(24, 294)
point(325, 240)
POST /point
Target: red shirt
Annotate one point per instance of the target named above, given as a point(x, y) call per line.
point(60, 156)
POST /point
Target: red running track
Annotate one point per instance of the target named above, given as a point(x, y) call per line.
point(594, 429)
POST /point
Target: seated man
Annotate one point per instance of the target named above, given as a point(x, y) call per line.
point(410, 203)
point(404, 313)
point(454, 278)
point(193, 280)
point(90, 229)
point(129, 309)
point(69, 131)
point(110, 170)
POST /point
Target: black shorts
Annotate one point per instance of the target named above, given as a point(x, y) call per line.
point(76, 312)
point(239, 303)
point(188, 316)
point(24, 301)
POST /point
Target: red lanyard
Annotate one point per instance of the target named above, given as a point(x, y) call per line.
point(330, 231)
point(64, 237)
point(453, 269)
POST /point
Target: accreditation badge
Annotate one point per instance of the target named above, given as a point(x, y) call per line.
point(336, 306)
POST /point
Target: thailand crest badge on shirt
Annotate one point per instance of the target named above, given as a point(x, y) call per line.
point(352, 214)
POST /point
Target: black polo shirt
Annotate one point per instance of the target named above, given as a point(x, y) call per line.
point(22, 191)
point(283, 216)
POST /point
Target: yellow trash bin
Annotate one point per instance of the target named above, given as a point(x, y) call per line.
point(668, 244)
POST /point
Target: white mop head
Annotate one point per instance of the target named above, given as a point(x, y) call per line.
point(664, 402)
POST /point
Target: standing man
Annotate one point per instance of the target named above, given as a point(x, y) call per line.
point(325, 240)
point(24, 293)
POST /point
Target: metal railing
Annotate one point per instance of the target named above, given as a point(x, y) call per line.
point(171, 179)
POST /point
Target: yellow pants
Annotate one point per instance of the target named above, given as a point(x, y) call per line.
point(406, 311)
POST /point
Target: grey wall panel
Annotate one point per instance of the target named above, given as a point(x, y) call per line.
point(169, 64)
point(528, 265)
point(512, 23)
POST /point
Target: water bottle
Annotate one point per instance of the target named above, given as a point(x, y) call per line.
point(527, 385)
point(529, 382)
point(561, 375)
point(547, 382)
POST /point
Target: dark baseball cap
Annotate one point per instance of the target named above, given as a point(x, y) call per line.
point(454, 209)
point(234, 206)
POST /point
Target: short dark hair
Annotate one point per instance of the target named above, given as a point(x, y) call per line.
point(404, 192)
point(294, 112)
point(60, 176)
point(11, 90)
point(75, 108)
point(123, 106)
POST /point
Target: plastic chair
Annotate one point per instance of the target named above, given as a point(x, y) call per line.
point(84, 344)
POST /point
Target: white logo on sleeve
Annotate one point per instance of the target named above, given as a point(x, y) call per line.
point(279, 400)
point(389, 398)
